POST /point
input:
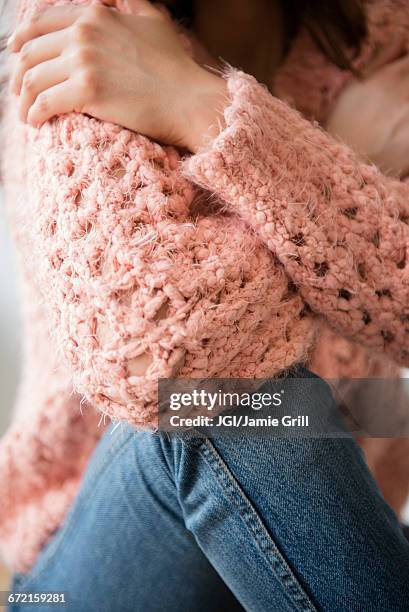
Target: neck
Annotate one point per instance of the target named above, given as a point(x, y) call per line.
point(246, 33)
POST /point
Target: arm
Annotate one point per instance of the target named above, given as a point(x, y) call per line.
point(134, 288)
point(140, 281)
point(338, 226)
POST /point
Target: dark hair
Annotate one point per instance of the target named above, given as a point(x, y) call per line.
point(337, 26)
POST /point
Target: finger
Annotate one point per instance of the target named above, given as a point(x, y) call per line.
point(57, 100)
point(55, 18)
point(40, 79)
point(35, 52)
point(385, 55)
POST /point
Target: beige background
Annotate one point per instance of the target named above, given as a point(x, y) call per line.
point(9, 340)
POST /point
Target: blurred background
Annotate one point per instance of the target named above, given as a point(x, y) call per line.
point(9, 337)
point(9, 323)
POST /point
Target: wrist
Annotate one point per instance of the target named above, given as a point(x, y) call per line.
point(205, 116)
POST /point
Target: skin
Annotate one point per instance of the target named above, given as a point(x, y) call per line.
point(384, 102)
point(127, 63)
point(69, 59)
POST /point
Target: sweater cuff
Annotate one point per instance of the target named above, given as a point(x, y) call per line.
point(255, 161)
point(225, 160)
point(335, 224)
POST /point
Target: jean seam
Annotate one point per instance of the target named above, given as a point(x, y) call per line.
point(67, 525)
point(255, 526)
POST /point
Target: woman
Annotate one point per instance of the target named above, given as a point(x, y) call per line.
point(128, 258)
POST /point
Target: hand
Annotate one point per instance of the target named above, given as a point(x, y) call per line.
point(372, 116)
point(127, 68)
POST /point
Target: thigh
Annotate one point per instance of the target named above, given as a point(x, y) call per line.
point(124, 545)
point(293, 524)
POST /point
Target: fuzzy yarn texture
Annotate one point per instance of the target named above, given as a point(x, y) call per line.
point(273, 245)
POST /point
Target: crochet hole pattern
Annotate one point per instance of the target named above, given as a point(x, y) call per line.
point(321, 268)
point(362, 272)
point(139, 365)
point(78, 198)
point(298, 239)
point(291, 288)
point(345, 294)
point(387, 336)
point(162, 312)
point(376, 239)
point(350, 212)
point(383, 293)
point(118, 172)
point(366, 317)
point(140, 281)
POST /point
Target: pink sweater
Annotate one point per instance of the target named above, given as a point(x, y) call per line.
point(230, 262)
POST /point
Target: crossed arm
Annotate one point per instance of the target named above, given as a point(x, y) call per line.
point(136, 289)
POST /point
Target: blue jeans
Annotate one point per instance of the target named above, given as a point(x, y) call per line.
point(189, 524)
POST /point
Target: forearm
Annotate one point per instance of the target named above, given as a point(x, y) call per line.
point(338, 226)
point(134, 288)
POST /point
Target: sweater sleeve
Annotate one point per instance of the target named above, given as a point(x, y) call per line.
point(339, 227)
point(137, 283)
point(139, 279)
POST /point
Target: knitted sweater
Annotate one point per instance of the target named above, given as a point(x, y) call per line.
point(226, 263)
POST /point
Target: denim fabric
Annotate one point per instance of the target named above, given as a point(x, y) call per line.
point(182, 523)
